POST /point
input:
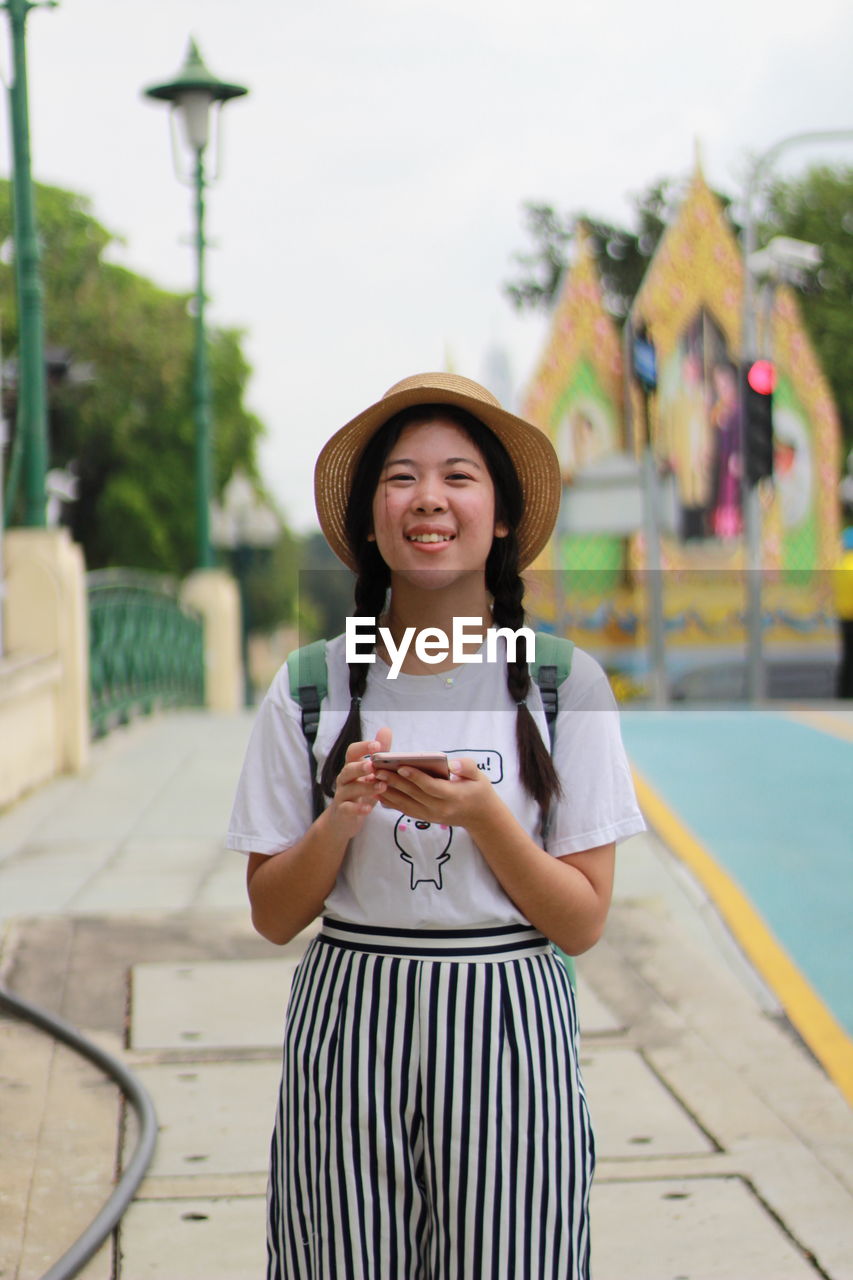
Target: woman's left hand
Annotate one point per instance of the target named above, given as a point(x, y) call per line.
point(455, 803)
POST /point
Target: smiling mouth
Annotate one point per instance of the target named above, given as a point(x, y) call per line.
point(430, 537)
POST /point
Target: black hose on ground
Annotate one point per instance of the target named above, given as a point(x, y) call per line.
point(86, 1245)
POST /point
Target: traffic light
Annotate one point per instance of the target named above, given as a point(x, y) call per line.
point(758, 378)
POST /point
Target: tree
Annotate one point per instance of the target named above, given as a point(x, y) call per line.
point(623, 255)
point(120, 402)
point(819, 208)
point(325, 588)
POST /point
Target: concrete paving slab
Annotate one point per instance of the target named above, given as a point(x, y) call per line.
point(44, 878)
point(225, 886)
point(218, 1004)
point(650, 878)
point(59, 1119)
point(634, 1115)
point(690, 1229)
point(216, 1118)
point(242, 1003)
point(202, 1239)
point(213, 1118)
point(595, 1017)
point(164, 889)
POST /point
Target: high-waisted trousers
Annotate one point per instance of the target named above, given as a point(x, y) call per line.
point(432, 1123)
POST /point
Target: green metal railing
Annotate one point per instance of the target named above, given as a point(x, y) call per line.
point(146, 648)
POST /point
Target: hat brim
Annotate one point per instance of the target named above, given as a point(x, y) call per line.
point(530, 451)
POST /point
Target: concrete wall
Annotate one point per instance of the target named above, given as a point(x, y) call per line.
point(214, 593)
point(44, 674)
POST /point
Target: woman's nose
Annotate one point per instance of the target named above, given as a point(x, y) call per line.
point(429, 498)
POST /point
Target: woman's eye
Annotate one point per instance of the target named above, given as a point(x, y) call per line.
point(459, 475)
point(399, 475)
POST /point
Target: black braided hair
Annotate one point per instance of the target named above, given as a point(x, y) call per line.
point(538, 775)
point(503, 581)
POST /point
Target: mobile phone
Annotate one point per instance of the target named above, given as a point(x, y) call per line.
point(432, 762)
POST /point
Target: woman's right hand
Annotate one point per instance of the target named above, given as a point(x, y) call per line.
point(357, 789)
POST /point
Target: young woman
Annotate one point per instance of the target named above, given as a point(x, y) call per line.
point(432, 1120)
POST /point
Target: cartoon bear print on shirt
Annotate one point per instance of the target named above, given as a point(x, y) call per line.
point(424, 846)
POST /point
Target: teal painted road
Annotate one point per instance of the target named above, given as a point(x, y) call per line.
point(771, 800)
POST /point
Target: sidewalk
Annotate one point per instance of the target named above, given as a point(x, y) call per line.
point(724, 1152)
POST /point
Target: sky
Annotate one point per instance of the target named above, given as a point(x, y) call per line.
point(371, 187)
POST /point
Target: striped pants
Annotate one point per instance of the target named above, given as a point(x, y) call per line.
point(432, 1123)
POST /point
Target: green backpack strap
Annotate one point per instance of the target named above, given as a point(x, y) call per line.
point(309, 683)
point(552, 666)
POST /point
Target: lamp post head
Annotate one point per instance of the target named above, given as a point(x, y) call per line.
point(192, 92)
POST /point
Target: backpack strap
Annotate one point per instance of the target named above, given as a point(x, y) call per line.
point(309, 683)
point(552, 666)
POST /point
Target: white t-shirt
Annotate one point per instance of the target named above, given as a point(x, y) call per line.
point(409, 874)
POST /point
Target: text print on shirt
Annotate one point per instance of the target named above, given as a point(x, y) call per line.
point(432, 644)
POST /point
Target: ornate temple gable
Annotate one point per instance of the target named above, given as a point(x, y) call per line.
point(582, 333)
point(805, 415)
point(697, 266)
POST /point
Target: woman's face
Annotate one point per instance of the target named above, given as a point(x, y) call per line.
point(434, 505)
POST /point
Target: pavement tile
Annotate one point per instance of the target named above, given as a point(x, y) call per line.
point(225, 1004)
point(595, 1017)
point(634, 1114)
point(59, 1120)
point(213, 1118)
point(689, 1229)
point(203, 1239)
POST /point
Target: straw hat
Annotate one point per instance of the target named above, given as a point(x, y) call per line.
point(530, 450)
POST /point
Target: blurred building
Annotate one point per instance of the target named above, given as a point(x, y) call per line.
point(690, 306)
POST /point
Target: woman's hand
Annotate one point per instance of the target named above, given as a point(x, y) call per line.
point(455, 803)
point(357, 788)
point(566, 898)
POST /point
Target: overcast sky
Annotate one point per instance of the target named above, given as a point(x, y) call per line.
point(370, 198)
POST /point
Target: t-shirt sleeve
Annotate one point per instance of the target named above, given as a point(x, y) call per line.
point(598, 805)
point(273, 806)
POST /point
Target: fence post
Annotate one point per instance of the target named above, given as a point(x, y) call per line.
point(213, 592)
point(46, 613)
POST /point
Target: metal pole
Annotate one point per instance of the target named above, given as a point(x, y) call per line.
point(655, 622)
point(654, 565)
point(242, 565)
point(201, 383)
point(32, 385)
point(756, 671)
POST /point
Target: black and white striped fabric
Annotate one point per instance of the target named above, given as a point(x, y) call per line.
point(432, 1123)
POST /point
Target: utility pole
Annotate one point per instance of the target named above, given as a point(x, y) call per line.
point(31, 426)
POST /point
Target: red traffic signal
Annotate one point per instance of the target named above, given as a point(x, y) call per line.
point(759, 379)
point(761, 376)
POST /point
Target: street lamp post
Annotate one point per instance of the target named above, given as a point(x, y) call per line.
point(191, 94)
point(31, 429)
point(756, 668)
point(244, 526)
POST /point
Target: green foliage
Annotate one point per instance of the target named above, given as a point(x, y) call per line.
point(818, 208)
point(622, 254)
point(272, 582)
point(542, 269)
point(325, 590)
point(121, 416)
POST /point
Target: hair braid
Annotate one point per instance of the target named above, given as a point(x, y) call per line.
point(370, 591)
point(538, 775)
